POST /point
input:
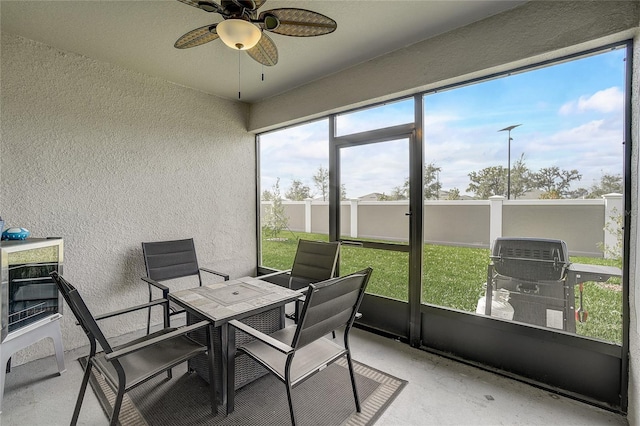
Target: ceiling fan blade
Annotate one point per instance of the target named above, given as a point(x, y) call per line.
point(206, 5)
point(193, 3)
point(259, 3)
point(248, 4)
point(197, 37)
point(297, 22)
point(265, 51)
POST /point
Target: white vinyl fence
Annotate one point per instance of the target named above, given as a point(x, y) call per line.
point(585, 225)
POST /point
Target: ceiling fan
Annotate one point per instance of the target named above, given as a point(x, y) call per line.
point(243, 28)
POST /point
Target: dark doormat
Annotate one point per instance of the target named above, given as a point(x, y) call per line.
point(324, 399)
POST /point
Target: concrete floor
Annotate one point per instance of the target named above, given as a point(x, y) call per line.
point(439, 392)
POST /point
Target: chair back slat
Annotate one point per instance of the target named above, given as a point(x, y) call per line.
point(330, 304)
point(165, 260)
point(314, 261)
point(81, 312)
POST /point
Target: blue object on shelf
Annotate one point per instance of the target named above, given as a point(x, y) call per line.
point(15, 234)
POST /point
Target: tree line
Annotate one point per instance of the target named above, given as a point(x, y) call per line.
point(552, 182)
point(298, 191)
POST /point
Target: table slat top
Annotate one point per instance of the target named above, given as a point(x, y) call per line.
point(227, 300)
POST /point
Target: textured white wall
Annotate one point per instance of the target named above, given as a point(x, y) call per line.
point(107, 158)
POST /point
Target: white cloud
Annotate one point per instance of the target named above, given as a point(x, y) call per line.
point(608, 100)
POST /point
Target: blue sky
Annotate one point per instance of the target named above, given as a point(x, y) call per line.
point(571, 116)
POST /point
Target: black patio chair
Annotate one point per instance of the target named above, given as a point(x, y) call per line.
point(169, 260)
point(128, 365)
point(314, 261)
point(297, 352)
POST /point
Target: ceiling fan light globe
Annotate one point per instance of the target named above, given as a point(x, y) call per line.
point(238, 34)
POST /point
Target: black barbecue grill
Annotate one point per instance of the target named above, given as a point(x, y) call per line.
point(534, 271)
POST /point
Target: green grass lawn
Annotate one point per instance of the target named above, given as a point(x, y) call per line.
point(452, 277)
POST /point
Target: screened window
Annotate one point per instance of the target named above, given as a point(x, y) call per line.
point(531, 157)
point(294, 190)
point(378, 117)
point(523, 168)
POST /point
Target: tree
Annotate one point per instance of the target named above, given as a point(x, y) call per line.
point(321, 181)
point(578, 193)
point(343, 192)
point(432, 184)
point(494, 180)
point(266, 195)
point(298, 191)
point(397, 193)
point(431, 189)
point(614, 226)
point(607, 185)
point(521, 181)
point(275, 219)
point(550, 195)
point(454, 194)
point(555, 182)
point(488, 182)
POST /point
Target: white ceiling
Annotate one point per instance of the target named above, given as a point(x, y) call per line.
point(139, 35)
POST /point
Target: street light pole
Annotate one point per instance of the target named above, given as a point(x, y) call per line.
point(509, 129)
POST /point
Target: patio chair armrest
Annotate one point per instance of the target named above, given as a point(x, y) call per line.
point(221, 274)
point(273, 274)
point(150, 342)
point(155, 284)
point(131, 309)
point(265, 338)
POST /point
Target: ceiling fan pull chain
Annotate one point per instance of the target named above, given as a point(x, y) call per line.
point(262, 72)
point(238, 74)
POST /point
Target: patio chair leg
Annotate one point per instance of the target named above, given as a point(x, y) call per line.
point(83, 388)
point(289, 398)
point(117, 405)
point(149, 311)
point(353, 381)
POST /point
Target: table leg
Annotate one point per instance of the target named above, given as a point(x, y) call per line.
point(228, 336)
point(224, 330)
point(282, 315)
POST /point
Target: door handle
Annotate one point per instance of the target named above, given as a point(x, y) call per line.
point(407, 214)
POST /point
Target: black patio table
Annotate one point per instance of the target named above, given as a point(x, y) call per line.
point(245, 299)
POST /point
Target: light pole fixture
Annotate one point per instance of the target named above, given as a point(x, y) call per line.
point(509, 129)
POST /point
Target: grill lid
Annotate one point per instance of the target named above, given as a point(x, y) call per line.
point(530, 259)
